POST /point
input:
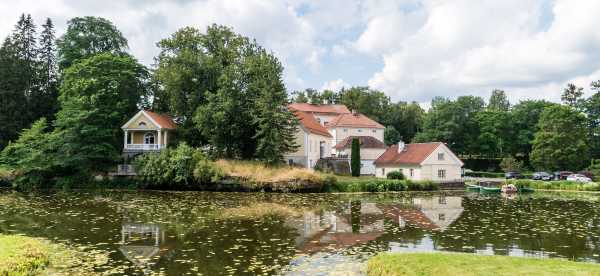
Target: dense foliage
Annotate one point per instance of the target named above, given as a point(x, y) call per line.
point(181, 168)
point(395, 175)
point(28, 78)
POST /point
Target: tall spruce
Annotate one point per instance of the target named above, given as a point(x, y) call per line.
point(44, 102)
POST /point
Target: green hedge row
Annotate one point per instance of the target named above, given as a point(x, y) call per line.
point(380, 185)
point(556, 185)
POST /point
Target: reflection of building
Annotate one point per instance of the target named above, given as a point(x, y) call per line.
point(432, 213)
point(141, 243)
point(356, 223)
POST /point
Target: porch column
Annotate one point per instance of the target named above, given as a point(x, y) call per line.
point(166, 135)
point(159, 138)
point(125, 139)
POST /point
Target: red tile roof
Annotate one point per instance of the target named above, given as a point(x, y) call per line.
point(309, 123)
point(367, 142)
point(354, 120)
point(414, 154)
point(320, 108)
point(165, 121)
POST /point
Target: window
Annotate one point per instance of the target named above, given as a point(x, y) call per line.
point(142, 124)
point(412, 172)
point(291, 162)
point(374, 131)
point(383, 171)
point(441, 174)
point(345, 130)
point(359, 130)
point(442, 200)
point(441, 156)
point(149, 138)
point(442, 217)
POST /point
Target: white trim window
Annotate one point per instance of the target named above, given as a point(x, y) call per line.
point(441, 156)
point(412, 172)
point(441, 174)
point(149, 138)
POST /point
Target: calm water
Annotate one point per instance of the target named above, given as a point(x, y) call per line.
point(246, 233)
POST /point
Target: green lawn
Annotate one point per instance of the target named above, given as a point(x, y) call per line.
point(21, 255)
point(440, 264)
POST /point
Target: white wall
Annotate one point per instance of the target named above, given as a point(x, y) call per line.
point(340, 133)
point(417, 172)
point(449, 163)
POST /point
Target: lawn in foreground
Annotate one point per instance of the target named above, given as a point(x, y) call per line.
point(439, 264)
point(21, 255)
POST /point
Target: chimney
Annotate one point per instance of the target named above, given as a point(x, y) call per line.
point(354, 112)
point(401, 146)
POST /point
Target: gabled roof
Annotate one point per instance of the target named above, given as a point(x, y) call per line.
point(310, 124)
point(366, 142)
point(354, 120)
point(414, 154)
point(162, 121)
point(320, 108)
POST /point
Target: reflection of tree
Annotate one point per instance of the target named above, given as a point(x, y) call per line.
point(355, 215)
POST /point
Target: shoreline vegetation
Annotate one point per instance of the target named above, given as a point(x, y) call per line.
point(425, 264)
point(20, 255)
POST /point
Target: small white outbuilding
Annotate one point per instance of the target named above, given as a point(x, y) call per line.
point(420, 161)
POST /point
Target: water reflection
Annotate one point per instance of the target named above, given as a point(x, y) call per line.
point(247, 233)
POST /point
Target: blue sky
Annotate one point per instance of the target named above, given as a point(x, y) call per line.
point(413, 50)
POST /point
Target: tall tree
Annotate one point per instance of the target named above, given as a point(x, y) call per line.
point(44, 102)
point(571, 95)
point(246, 94)
point(454, 123)
point(406, 118)
point(391, 135)
point(561, 142)
point(524, 118)
point(86, 37)
point(97, 95)
point(13, 101)
point(498, 101)
point(495, 132)
point(274, 134)
point(592, 111)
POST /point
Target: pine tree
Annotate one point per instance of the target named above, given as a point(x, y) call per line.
point(44, 102)
point(13, 102)
point(276, 125)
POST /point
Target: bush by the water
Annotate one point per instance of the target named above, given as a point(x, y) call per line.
point(371, 184)
point(395, 175)
point(181, 168)
point(556, 185)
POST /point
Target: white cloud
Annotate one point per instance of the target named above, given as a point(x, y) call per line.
point(467, 47)
point(530, 48)
point(334, 85)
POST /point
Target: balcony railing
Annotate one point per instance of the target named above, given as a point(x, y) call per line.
point(144, 147)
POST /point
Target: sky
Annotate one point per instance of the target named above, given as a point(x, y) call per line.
point(413, 50)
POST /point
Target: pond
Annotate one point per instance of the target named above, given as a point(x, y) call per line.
point(207, 233)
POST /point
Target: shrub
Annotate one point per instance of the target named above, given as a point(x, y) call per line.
point(180, 168)
point(355, 157)
point(510, 164)
point(395, 175)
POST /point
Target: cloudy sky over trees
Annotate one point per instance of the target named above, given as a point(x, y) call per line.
point(410, 49)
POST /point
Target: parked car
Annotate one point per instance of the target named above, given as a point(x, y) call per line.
point(579, 178)
point(542, 176)
point(562, 175)
point(512, 175)
point(587, 174)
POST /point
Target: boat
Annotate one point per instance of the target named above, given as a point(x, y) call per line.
point(473, 188)
point(491, 190)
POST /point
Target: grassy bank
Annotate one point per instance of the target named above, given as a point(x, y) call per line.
point(556, 185)
point(374, 184)
point(468, 264)
point(32, 256)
